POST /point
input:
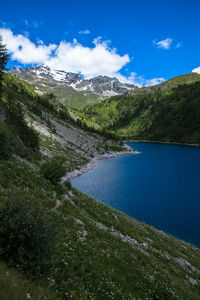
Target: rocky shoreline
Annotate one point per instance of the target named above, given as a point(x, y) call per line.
point(96, 160)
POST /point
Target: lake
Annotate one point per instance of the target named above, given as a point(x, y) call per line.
point(160, 186)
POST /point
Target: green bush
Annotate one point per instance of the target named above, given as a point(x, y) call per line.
point(6, 142)
point(28, 234)
point(68, 185)
point(53, 169)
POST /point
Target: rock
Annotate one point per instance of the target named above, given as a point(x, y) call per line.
point(115, 216)
point(183, 262)
point(149, 240)
point(79, 222)
point(191, 280)
point(145, 245)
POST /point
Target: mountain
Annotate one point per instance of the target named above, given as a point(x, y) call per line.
point(58, 243)
point(166, 112)
point(52, 122)
point(169, 84)
point(70, 88)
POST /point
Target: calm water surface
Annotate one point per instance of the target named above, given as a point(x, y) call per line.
point(160, 186)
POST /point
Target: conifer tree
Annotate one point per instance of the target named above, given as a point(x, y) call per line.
point(3, 60)
point(3, 55)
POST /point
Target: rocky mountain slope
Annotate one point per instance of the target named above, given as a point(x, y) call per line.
point(58, 133)
point(70, 88)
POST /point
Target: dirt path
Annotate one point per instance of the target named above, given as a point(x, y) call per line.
point(58, 203)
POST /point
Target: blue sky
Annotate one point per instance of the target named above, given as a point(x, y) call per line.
point(143, 42)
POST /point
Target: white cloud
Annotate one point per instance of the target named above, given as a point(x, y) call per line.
point(164, 44)
point(90, 62)
point(153, 81)
point(93, 61)
point(86, 31)
point(140, 81)
point(178, 45)
point(25, 51)
point(196, 70)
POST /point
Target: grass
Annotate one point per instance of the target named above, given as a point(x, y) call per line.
point(95, 259)
point(15, 286)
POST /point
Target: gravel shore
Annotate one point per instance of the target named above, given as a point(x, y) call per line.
point(95, 161)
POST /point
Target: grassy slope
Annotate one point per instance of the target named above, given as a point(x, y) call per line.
point(152, 114)
point(15, 286)
point(103, 254)
point(72, 98)
point(169, 84)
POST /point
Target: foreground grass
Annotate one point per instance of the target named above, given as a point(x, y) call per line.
point(15, 286)
point(103, 253)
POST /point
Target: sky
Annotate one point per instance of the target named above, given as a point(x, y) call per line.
point(140, 42)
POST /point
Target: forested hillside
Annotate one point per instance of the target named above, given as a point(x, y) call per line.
point(172, 115)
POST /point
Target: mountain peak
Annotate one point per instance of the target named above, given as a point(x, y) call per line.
point(66, 85)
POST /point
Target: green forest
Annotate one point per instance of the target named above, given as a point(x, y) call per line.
point(165, 115)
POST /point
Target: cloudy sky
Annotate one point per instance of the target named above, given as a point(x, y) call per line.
point(141, 42)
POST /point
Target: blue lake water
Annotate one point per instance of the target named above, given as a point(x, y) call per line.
point(160, 186)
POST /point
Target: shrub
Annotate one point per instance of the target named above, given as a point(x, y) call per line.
point(30, 137)
point(16, 121)
point(28, 234)
point(68, 185)
point(53, 169)
point(6, 142)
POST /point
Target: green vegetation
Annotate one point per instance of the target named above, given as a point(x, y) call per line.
point(57, 243)
point(68, 185)
point(15, 286)
point(101, 253)
point(73, 99)
point(171, 115)
point(53, 169)
point(169, 84)
point(16, 135)
point(6, 142)
point(3, 59)
point(27, 233)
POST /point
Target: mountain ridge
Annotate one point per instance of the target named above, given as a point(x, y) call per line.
point(68, 86)
point(169, 84)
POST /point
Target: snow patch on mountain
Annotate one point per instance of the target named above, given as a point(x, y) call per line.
point(101, 86)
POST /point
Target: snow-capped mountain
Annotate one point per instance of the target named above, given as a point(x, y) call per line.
point(68, 86)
